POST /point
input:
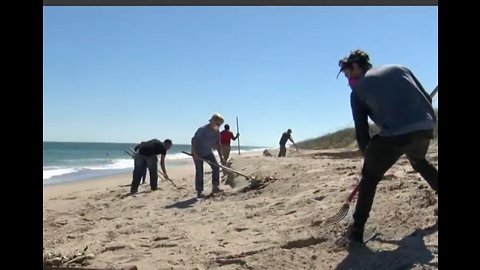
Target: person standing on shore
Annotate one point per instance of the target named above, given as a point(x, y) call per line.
point(225, 138)
point(146, 156)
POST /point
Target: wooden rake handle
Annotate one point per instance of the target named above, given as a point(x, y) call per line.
point(220, 166)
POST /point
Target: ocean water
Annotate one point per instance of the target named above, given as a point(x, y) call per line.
point(76, 161)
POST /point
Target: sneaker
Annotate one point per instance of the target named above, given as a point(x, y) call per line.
point(355, 234)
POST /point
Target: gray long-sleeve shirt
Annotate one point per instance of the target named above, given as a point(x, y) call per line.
point(395, 101)
point(206, 138)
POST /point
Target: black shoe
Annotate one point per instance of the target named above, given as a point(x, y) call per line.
point(200, 195)
point(154, 188)
point(216, 189)
point(355, 234)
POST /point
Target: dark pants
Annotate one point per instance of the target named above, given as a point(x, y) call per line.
point(141, 163)
point(199, 173)
point(380, 155)
point(283, 151)
point(144, 176)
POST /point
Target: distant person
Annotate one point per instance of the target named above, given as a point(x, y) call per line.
point(225, 137)
point(146, 156)
point(283, 141)
point(144, 176)
point(205, 139)
point(396, 102)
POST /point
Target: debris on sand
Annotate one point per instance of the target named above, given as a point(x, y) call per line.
point(77, 259)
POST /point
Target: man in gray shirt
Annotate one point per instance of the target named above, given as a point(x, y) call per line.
point(205, 139)
point(398, 104)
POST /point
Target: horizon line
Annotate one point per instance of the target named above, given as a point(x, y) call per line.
point(137, 143)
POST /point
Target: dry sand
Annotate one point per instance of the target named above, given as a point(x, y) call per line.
point(271, 227)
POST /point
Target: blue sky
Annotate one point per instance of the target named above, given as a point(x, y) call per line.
point(127, 74)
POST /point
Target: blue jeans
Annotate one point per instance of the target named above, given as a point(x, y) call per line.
point(199, 173)
point(141, 163)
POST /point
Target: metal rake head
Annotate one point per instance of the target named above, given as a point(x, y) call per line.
point(338, 216)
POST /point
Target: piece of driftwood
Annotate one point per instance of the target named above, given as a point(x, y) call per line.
point(133, 267)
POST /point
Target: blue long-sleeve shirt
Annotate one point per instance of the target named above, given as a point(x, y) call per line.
point(395, 101)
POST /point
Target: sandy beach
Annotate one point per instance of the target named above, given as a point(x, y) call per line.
point(276, 225)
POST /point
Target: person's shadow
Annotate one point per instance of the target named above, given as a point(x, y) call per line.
point(182, 204)
point(411, 250)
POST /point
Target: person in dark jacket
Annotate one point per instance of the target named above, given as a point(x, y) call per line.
point(393, 98)
point(286, 136)
point(146, 156)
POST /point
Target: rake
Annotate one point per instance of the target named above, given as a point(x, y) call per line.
point(340, 215)
point(221, 166)
point(343, 211)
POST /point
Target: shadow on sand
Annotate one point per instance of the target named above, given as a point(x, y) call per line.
point(411, 250)
point(182, 204)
